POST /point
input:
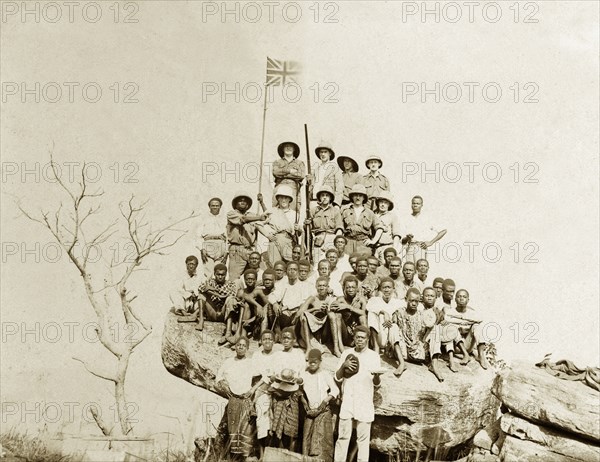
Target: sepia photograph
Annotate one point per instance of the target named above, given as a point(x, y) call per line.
point(311, 231)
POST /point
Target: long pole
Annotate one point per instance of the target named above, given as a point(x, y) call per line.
point(262, 146)
point(308, 236)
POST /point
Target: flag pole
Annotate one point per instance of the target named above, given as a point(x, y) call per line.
point(262, 145)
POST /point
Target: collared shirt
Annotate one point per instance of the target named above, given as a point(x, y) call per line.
point(237, 373)
point(288, 172)
point(402, 287)
point(375, 183)
point(190, 284)
point(326, 219)
point(358, 390)
point(389, 223)
point(350, 179)
point(281, 221)
point(212, 227)
point(420, 227)
point(367, 221)
point(329, 174)
point(318, 386)
point(239, 230)
point(290, 296)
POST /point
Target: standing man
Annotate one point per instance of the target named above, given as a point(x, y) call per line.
point(288, 169)
point(327, 173)
point(374, 180)
point(419, 233)
point(241, 233)
point(359, 374)
point(360, 222)
point(211, 238)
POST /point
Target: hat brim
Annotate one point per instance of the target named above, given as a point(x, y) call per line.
point(350, 194)
point(296, 149)
point(237, 198)
point(369, 160)
point(385, 199)
point(341, 160)
point(287, 387)
point(331, 195)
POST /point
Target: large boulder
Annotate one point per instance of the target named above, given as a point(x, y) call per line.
point(532, 393)
point(413, 413)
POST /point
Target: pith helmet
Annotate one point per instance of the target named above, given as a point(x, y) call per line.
point(358, 189)
point(238, 195)
point(377, 158)
point(341, 160)
point(326, 189)
point(386, 195)
point(296, 149)
point(325, 145)
point(285, 190)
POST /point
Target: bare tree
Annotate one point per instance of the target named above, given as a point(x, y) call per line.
point(69, 227)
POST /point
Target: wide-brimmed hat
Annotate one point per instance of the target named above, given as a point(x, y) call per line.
point(326, 189)
point(285, 190)
point(238, 195)
point(341, 160)
point(359, 189)
point(377, 158)
point(347, 374)
point(296, 149)
point(325, 145)
point(286, 381)
point(386, 195)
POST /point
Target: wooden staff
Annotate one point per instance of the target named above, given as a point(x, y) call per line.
point(307, 228)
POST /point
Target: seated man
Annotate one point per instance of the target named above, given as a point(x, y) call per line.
point(304, 270)
point(468, 322)
point(419, 342)
point(185, 297)
point(373, 264)
point(346, 313)
point(313, 314)
point(280, 268)
point(382, 314)
point(409, 280)
point(352, 262)
point(287, 298)
point(447, 297)
point(422, 270)
point(213, 294)
point(255, 263)
point(367, 283)
point(343, 258)
point(437, 286)
point(335, 273)
point(388, 254)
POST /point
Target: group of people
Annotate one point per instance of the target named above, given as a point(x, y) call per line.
point(360, 291)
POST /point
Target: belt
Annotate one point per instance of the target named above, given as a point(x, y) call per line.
point(214, 238)
point(249, 247)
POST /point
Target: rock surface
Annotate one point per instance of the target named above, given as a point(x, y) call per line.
point(537, 396)
point(549, 440)
point(412, 413)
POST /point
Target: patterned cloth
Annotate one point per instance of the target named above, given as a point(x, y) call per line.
point(241, 432)
point(285, 409)
point(318, 435)
point(567, 370)
point(229, 288)
point(413, 330)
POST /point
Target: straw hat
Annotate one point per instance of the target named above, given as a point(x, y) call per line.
point(341, 160)
point(286, 381)
point(296, 149)
point(325, 145)
point(238, 195)
point(386, 195)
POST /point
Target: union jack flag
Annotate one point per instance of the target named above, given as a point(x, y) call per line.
point(281, 72)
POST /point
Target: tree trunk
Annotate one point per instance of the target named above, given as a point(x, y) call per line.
point(122, 410)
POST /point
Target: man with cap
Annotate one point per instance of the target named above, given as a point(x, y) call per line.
point(359, 373)
point(326, 173)
point(319, 390)
point(419, 232)
point(288, 169)
point(326, 221)
point(211, 240)
point(374, 181)
point(360, 223)
point(390, 233)
point(350, 176)
point(281, 228)
point(241, 233)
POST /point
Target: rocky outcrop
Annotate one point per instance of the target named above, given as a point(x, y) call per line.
point(413, 413)
point(548, 418)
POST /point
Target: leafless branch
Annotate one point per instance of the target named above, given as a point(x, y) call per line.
point(97, 374)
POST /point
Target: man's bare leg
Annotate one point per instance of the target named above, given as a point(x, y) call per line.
point(331, 317)
point(305, 332)
point(375, 337)
point(340, 326)
point(466, 356)
point(452, 361)
point(482, 358)
point(200, 325)
point(401, 365)
point(434, 367)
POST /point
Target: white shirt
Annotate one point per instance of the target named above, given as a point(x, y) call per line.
point(317, 386)
point(378, 304)
point(262, 364)
point(420, 227)
point(402, 287)
point(293, 359)
point(290, 296)
point(190, 284)
point(358, 390)
point(212, 225)
point(237, 373)
point(335, 280)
